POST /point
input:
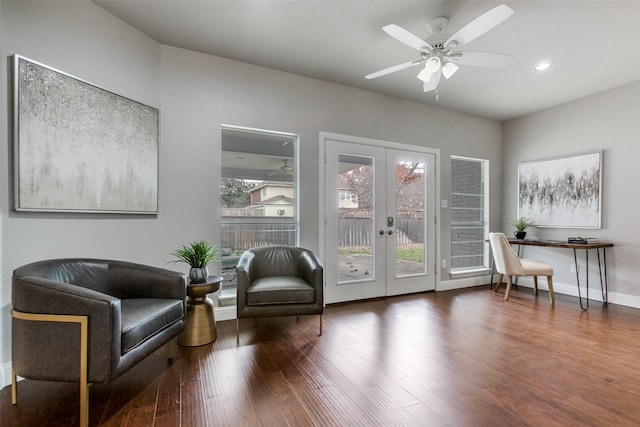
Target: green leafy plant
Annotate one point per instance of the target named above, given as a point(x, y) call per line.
point(197, 254)
point(522, 223)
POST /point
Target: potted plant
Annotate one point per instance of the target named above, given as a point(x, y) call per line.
point(521, 224)
point(198, 255)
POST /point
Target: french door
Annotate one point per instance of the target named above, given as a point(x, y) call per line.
point(380, 221)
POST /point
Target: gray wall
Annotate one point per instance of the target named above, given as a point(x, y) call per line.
point(608, 121)
point(196, 93)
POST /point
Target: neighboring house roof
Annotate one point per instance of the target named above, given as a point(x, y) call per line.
point(276, 200)
point(271, 184)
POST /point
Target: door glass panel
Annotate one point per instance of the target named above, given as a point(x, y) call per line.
point(355, 218)
point(410, 219)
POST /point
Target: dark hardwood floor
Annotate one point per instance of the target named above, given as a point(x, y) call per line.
point(457, 358)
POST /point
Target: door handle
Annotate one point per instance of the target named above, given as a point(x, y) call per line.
point(381, 232)
point(389, 232)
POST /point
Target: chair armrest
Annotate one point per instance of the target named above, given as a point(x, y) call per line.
point(130, 280)
point(244, 277)
point(33, 294)
point(310, 268)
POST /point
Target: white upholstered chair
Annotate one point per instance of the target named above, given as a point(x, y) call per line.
point(508, 263)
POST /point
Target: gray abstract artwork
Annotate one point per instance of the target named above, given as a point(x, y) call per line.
point(80, 147)
point(563, 192)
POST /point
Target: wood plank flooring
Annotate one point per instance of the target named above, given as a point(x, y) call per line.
point(456, 358)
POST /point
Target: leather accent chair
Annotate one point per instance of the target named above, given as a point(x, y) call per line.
point(279, 281)
point(508, 263)
point(124, 311)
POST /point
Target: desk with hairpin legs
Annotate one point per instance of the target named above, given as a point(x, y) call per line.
point(575, 247)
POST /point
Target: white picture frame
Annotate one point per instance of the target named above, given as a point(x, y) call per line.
point(79, 147)
point(562, 192)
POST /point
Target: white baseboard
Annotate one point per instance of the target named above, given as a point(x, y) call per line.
point(467, 282)
point(595, 294)
point(225, 313)
point(6, 374)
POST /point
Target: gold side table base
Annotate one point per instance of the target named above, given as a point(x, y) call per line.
point(201, 322)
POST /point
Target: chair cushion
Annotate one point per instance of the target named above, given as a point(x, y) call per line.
point(144, 317)
point(532, 267)
point(280, 290)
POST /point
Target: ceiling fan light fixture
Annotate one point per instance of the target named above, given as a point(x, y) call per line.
point(449, 69)
point(425, 75)
point(543, 66)
point(433, 64)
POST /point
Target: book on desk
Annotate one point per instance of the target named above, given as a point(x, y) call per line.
point(582, 240)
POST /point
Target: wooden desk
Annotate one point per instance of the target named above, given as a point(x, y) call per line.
point(575, 246)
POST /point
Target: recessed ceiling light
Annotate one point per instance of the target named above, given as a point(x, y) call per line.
point(543, 66)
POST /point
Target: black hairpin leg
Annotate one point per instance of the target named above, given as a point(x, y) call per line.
point(575, 260)
point(604, 285)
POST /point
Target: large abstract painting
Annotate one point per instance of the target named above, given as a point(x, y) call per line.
point(563, 192)
point(79, 147)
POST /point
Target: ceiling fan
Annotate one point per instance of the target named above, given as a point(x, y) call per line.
point(284, 169)
point(438, 52)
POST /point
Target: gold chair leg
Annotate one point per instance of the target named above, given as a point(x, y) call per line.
point(84, 374)
point(84, 403)
point(321, 325)
point(550, 284)
point(14, 387)
point(498, 284)
point(508, 291)
point(535, 285)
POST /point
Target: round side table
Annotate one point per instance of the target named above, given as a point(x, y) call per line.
point(201, 322)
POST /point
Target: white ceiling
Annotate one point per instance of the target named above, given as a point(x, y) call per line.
point(594, 45)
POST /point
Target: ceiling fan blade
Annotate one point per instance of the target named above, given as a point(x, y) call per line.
point(481, 25)
point(483, 59)
point(406, 37)
point(393, 69)
point(432, 84)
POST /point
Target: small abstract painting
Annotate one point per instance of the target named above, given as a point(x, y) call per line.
point(563, 192)
point(81, 148)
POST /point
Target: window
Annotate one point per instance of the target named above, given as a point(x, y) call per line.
point(258, 195)
point(258, 189)
point(469, 214)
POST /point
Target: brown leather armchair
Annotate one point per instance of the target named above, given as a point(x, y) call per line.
point(91, 320)
point(279, 281)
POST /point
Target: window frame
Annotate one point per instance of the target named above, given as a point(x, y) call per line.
point(295, 139)
point(483, 223)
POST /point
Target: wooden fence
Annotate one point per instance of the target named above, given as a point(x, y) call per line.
point(240, 237)
point(360, 232)
point(352, 231)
